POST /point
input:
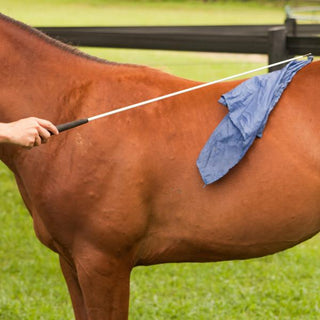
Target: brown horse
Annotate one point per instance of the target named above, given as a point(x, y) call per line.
point(125, 191)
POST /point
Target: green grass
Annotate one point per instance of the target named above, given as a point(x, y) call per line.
point(282, 286)
point(104, 12)
point(31, 285)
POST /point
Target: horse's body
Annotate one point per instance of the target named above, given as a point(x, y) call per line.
point(125, 191)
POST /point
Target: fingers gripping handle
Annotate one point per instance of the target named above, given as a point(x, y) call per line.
point(72, 124)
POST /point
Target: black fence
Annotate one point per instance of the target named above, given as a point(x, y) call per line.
point(278, 41)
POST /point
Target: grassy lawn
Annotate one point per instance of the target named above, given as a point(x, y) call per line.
point(282, 286)
point(111, 13)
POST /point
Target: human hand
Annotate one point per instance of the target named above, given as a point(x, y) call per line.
point(28, 132)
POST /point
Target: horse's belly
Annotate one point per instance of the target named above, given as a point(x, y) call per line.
point(264, 205)
point(239, 233)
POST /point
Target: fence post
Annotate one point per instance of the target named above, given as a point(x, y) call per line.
point(277, 46)
point(291, 26)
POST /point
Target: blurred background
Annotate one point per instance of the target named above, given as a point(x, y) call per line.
point(282, 286)
point(202, 66)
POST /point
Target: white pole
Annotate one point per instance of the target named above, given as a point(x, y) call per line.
point(191, 89)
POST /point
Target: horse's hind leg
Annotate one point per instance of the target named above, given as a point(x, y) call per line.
point(71, 278)
point(104, 282)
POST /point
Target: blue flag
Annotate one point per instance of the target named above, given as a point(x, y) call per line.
point(249, 106)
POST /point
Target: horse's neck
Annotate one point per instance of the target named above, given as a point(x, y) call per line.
point(40, 78)
point(34, 75)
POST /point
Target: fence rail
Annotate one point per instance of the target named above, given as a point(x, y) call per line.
point(278, 41)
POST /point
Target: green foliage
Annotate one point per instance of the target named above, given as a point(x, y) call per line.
point(282, 286)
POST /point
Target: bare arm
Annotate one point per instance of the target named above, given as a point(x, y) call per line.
point(28, 133)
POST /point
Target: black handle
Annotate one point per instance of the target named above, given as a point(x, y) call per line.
point(72, 124)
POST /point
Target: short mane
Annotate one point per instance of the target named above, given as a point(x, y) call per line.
point(56, 43)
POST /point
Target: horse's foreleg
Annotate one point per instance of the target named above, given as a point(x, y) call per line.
point(104, 282)
point(71, 278)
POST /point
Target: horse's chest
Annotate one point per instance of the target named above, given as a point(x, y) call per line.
point(42, 233)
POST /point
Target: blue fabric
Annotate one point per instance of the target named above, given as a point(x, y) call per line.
point(249, 106)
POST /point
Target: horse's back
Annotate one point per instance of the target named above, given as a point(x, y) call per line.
point(267, 203)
